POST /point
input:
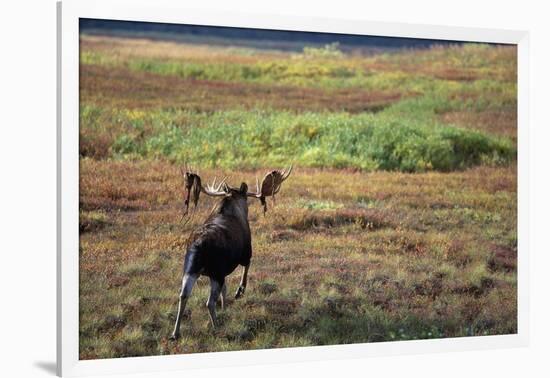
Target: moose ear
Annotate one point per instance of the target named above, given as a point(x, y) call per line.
point(244, 188)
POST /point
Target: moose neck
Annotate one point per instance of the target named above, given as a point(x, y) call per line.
point(236, 207)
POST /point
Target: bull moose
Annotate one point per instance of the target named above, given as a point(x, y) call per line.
point(223, 242)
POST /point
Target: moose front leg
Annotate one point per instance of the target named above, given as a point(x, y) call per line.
point(242, 286)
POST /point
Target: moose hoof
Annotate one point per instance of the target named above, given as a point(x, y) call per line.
point(174, 337)
point(240, 292)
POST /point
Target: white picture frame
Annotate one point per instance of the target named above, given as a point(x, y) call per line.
point(69, 12)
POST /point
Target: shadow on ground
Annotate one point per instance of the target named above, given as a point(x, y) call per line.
point(47, 366)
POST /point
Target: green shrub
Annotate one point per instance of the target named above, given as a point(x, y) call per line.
point(339, 140)
point(125, 145)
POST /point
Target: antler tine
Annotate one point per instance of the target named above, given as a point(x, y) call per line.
point(212, 186)
point(221, 183)
point(215, 189)
point(257, 185)
point(286, 173)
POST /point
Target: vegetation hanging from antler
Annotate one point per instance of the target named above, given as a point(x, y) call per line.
point(193, 186)
point(271, 184)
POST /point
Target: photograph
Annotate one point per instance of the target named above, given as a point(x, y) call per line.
point(244, 189)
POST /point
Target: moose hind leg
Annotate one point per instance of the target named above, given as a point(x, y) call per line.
point(186, 288)
point(242, 285)
point(223, 295)
point(215, 290)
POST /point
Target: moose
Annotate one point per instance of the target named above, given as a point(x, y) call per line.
point(223, 241)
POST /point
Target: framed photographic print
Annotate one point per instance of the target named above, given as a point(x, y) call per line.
point(278, 189)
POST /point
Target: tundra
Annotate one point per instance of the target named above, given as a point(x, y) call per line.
point(223, 242)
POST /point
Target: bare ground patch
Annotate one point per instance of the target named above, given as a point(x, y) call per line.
point(502, 122)
point(124, 88)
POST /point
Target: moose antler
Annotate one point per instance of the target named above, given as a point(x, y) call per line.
point(271, 184)
point(193, 186)
point(212, 190)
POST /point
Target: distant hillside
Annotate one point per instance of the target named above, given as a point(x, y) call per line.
point(244, 36)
